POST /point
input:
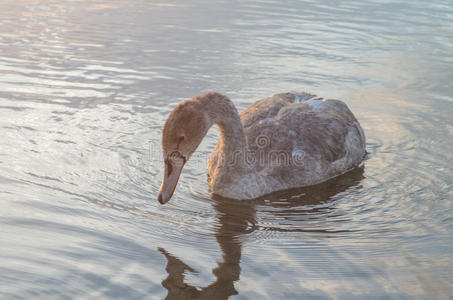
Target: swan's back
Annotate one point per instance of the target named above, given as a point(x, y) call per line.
point(296, 139)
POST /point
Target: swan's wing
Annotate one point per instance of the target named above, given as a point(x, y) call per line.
point(301, 142)
point(269, 107)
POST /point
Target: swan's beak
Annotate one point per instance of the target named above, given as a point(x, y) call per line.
point(171, 177)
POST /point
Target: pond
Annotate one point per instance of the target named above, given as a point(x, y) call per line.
point(86, 86)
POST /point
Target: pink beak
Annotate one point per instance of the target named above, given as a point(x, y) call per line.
point(171, 177)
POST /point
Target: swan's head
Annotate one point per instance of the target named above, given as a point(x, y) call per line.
point(183, 131)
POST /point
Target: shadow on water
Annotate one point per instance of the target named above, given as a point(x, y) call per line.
point(238, 218)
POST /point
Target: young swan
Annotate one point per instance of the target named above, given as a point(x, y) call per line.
point(285, 141)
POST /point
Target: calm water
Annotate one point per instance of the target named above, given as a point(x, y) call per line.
point(85, 87)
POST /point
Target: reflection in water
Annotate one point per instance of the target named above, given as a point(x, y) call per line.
point(237, 218)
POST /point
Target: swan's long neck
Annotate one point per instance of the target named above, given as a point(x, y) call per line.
point(233, 141)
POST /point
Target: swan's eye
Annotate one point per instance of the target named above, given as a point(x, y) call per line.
point(181, 138)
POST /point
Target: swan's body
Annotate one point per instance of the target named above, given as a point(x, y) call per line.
point(285, 141)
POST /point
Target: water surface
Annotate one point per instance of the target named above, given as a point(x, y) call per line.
point(85, 88)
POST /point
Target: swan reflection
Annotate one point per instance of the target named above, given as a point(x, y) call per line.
point(238, 218)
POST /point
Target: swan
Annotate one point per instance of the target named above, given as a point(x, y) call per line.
point(285, 141)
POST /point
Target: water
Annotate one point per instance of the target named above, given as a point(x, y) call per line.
point(86, 86)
